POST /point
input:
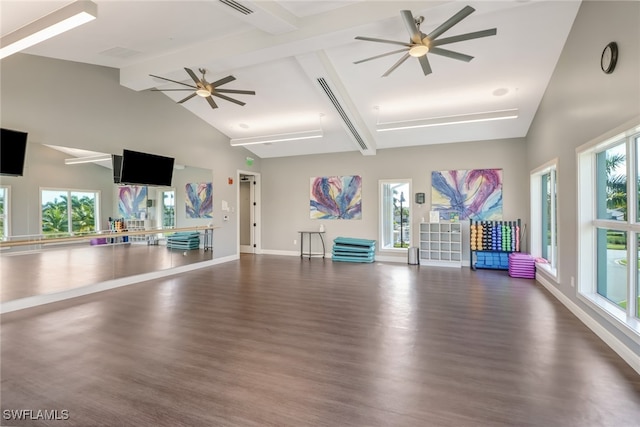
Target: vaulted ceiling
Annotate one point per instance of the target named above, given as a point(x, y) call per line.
point(298, 57)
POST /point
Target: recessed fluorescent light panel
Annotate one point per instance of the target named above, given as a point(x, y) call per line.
point(88, 159)
point(57, 22)
point(449, 120)
point(294, 136)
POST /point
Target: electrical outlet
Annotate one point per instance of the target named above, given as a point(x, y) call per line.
point(295, 242)
point(573, 282)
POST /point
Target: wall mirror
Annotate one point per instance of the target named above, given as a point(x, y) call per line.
point(66, 192)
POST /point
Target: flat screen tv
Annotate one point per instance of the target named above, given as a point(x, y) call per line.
point(146, 169)
point(13, 148)
point(116, 162)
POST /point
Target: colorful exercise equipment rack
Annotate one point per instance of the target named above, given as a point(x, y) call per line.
point(491, 243)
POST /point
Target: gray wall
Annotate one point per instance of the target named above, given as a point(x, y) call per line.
point(285, 186)
point(84, 106)
point(581, 103)
point(45, 168)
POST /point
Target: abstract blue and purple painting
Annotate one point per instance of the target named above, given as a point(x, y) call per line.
point(470, 194)
point(336, 197)
point(199, 200)
point(132, 201)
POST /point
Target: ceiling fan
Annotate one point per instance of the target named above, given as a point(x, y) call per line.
point(420, 44)
point(206, 89)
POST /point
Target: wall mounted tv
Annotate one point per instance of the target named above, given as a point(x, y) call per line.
point(146, 169)
point(116, 163)
point(13, 148)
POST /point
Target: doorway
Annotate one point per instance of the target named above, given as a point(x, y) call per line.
point(248, 212)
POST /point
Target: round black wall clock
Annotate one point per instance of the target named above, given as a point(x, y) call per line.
point(609, 57)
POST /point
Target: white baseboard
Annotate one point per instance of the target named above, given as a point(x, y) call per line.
point(389, 258)
point(28, 302)
point(616, 345)
point(279, 252)
point(382, 258)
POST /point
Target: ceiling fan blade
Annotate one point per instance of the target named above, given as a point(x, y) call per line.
point(397, 64)
point(371, 39)
point(193, 75)
point(410, 24)
point(466, 11)
point(169, 90)
point(173, 81)
point(228, 99)
point(463, 37)
point(380, 56)
point(223, 81)
point(211, 102)
point(187, 98)
point(451, 54)
point(243, 92)
point(424, 63)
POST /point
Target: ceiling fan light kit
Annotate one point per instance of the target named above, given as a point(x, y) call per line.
point(418, 50)
point(420, 43)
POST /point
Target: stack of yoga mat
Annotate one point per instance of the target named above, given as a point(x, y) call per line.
point(184, 240)
point(522, 265)
point(348, 249)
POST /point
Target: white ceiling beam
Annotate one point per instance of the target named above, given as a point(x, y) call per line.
point(331, 28)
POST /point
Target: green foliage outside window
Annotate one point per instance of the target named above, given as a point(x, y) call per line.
point(55, 216)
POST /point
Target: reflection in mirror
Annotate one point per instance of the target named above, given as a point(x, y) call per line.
point(102, 230)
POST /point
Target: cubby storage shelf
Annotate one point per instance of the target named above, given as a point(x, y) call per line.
point(441, 244)
point(138, 225)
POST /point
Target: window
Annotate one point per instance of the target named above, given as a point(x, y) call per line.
point(168, 208)
point(69, 212)
point(4, 213)
point(395, 214)
point(544, 224)
point(609, 228)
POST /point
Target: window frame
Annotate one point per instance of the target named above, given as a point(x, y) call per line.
point(161, 206)
point(626, 319)
point(537, 206)
point(383, 214)
point(69, 191)
point(7, 211)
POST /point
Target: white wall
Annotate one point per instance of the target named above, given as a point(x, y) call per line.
point(580, 104)
point(285, 186)
point(84, 106)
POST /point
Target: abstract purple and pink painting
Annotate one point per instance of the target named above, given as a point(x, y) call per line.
point(336, 197)
point(470, 194)
point(132, 201)
point(199, 200)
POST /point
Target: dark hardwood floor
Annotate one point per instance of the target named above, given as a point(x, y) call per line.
point(40, 272)
point(280, 341)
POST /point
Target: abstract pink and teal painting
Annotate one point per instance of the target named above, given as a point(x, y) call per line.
point(132, 200)
point(336, 197)
point(199, 200)
point(470, 194)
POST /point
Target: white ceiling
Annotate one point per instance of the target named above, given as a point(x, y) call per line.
point(282, 48)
